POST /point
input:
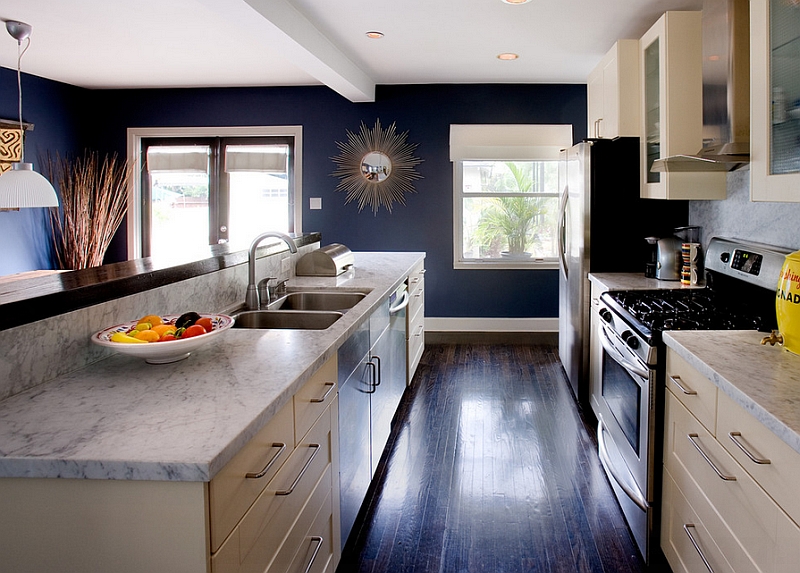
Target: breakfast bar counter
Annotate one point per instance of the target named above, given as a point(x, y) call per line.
point(123, 419)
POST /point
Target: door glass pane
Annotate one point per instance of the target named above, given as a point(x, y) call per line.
point(179, 199)
point(652, 108)
point(785, 84)
point(623, 396)
point(258, 179)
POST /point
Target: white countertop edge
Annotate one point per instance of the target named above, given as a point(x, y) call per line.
point(76, 461)
point(762, 412)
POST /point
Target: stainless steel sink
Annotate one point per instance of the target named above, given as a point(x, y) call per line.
point(286, 319)
point(318, 300)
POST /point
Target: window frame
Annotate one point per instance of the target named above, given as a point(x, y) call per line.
point(136, 135)
point(499, 143)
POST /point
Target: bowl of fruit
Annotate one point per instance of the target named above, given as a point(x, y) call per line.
point(163, 339)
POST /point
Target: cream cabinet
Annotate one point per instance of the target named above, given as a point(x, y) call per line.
point(670, 61)
point(613, 93)
point(273, 507)
point(718, 513)
point(774, 100)
point(415, 317)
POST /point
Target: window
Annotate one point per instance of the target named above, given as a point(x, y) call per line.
point(194, 189)
point(506, 194)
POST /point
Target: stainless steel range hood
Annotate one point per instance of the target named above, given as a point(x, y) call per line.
point(726, 91)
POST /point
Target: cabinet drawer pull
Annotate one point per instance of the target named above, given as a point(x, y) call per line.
point(734, 436)
point(702, 555)
point(324, 396)
point(303, 471)
point(677, 381)
point(319, 541)
point(707, 459)
point(256, 475)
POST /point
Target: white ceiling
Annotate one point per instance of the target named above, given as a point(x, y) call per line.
point(192, 43)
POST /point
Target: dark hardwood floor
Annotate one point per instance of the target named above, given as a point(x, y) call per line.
point(490, 468)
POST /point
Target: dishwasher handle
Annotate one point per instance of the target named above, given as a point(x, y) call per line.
point(400, 305)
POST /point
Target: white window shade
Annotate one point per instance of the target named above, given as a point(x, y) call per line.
point(508, 142)
point(178, 159)
point(264, 159)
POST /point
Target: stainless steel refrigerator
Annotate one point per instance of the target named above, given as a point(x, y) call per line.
point(603, 223)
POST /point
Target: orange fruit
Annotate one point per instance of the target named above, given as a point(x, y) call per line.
point(162, 329)
point(153, 319)
point(146, 335)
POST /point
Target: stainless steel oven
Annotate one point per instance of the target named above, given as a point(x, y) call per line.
point(624, 401)
point(627, 386)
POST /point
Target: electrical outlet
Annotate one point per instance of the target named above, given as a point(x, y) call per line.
point(286, 264)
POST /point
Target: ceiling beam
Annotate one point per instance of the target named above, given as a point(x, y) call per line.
point(299, 41)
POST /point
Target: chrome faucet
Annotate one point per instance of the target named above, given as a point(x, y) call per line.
point(252, 299)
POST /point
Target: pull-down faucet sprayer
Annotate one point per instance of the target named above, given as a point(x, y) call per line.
point(252, 298)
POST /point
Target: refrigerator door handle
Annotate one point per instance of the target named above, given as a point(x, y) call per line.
point(562, 234)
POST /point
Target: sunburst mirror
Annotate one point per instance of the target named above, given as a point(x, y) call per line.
point(376, 167)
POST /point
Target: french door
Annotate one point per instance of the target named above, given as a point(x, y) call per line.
point(199, 191)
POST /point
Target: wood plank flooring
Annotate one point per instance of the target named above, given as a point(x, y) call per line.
point(490, 468)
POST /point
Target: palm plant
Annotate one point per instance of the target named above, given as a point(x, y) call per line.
point(511, 217)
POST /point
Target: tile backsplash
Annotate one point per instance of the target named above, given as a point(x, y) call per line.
point(43, 350)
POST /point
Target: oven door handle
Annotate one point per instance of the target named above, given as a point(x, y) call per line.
point(632, 492)
point(609, 347)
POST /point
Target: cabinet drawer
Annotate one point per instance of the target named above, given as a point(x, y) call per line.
point(740, 516)
point(232, 492)
point(309, 546)
point(779, 477)
point(694, 390)
point(312, 399)
point(415, 277)
point(416, 344)
point(417, 301)
point(261, 532)
point(678, 521)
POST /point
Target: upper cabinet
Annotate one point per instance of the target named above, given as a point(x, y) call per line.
point(613, 93)
point(775, 100)
point(671, 66)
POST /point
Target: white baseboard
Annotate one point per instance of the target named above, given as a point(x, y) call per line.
point(433, 324)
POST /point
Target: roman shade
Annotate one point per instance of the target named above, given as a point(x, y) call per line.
point(512, 142)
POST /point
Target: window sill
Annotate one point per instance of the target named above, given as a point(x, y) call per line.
point(497, 264)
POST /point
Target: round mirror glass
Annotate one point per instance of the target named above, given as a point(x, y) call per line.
point(376, 166)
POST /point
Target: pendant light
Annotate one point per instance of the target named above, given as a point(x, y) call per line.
point(22, 186)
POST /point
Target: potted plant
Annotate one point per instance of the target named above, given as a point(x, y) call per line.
point(510, 218)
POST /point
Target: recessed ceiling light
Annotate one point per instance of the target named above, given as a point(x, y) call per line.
point(516, 1)
point(374, 34)
point(507, 56)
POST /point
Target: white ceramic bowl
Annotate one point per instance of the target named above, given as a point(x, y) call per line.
point(162, 352)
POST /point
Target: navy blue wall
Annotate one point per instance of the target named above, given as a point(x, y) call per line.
point(56, 110)
point(425, 223)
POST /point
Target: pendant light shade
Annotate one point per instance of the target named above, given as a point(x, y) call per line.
point(22, 186)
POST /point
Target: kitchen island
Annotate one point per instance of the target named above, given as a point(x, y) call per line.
point(121, 431)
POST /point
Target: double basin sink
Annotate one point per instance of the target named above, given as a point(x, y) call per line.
point(303, 310)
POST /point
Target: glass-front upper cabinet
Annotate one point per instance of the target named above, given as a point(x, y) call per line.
point(671, 65)
point(775, 99)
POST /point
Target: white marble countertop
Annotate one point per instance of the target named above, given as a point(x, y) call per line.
point(121, 418)
point(763, 379)
point(634, 281)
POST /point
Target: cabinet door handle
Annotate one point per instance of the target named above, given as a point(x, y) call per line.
point(319, 541)
point(373, 376)
point(265, 469)
point(702, 555)
point(330, 386)
point(734, 436)
point(303, 471)
point(714, 467)
point(677, 381)
point(378, 369)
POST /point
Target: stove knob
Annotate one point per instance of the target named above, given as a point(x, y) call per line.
point(632, 342)
point(725, 257)
point(605, 314)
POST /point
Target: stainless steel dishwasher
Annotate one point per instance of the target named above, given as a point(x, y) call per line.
point(371, 385)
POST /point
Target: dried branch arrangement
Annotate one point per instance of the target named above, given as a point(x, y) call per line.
point(94, 199)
